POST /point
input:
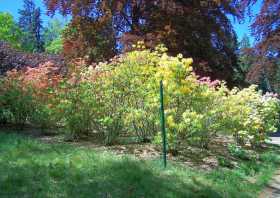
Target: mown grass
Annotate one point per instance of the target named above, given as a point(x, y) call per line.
point(29, 168)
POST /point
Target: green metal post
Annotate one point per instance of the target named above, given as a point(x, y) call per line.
point(162, 120)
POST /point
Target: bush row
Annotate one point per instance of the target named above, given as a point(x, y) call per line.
point(11, 58)
point(121, 98)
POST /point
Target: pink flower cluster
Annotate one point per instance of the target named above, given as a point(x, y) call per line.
point(207, 81)
point(40, 79)
point(271, 95)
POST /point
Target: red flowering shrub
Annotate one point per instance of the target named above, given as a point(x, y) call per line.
point(16, 101)
point(27, 95)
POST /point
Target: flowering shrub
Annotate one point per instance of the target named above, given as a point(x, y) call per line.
point(121, 98)
point(16, 102)
point(76, 108)
point(249, 116)
point(28, 95)
point(131, 83)
point(124, 97)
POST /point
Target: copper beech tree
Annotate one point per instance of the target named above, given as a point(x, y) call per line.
point(266, 30)
point(198, 29)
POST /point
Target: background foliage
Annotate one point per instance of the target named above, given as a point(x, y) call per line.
point(9, 31)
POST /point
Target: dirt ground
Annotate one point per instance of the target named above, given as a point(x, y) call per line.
point(205, 159)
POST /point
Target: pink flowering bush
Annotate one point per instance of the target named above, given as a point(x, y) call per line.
point(27, 95)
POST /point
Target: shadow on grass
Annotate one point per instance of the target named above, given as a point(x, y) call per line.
point(32, 169)
point(117, 179)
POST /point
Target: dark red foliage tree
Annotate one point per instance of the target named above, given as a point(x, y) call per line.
point(198, 29)
point(266, 30)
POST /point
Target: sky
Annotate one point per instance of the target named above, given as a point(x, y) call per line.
point(12, 7)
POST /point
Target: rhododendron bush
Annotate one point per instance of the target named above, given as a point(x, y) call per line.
point(121, 98)
point(27, 95)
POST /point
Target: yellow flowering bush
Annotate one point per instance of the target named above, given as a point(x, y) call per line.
point(249, 115)
point(128, 91)
point(131, 84)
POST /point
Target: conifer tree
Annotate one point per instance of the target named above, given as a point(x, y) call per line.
point(31, 24)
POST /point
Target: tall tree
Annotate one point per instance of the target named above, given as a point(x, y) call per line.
point(31, 24)
point(265, 26)
point(266, 30)
point(191, 27)
point(244, 43)
point(245, 58)
point(9, 30)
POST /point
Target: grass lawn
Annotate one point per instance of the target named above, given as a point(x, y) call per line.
point(29, 168)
